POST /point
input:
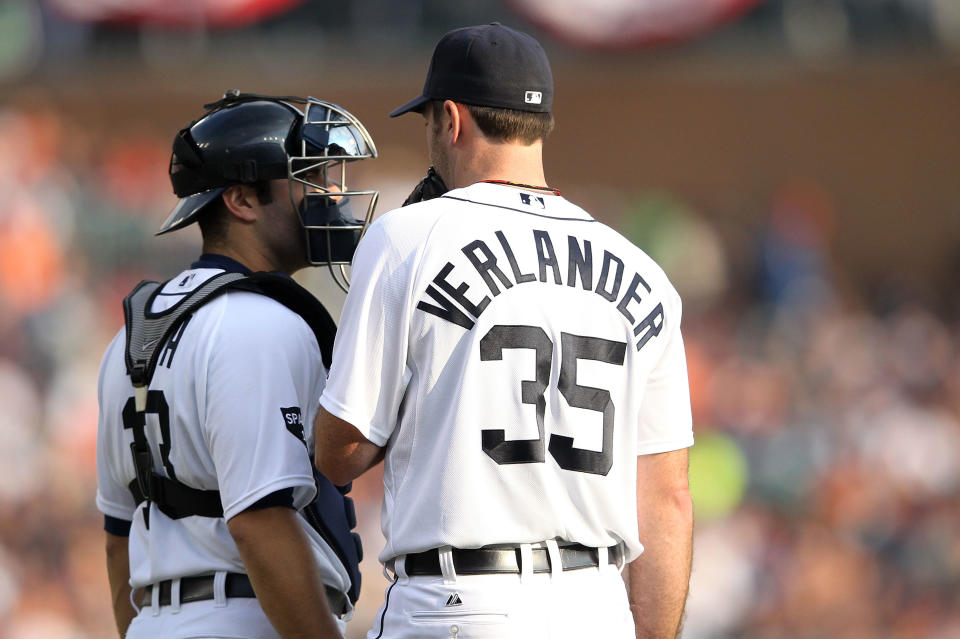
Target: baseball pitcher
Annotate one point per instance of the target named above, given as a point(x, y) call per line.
point(520, 368)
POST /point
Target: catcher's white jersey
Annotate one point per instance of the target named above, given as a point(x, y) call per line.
point(240, 380)
point(515, 355)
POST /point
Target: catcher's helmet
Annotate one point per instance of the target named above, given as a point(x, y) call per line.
point(245, 138)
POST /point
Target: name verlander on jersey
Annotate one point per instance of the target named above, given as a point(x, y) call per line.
point(600, 272)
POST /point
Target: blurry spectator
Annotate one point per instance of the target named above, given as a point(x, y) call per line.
point(794, 248)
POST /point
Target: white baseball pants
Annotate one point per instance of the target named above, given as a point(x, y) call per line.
point(572, 604)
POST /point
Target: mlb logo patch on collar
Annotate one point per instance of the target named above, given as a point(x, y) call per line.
point(533, 200)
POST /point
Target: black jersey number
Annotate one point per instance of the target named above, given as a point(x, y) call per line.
point(573, 348)
point(156, 405)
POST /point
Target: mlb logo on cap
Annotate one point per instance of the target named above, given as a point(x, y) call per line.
point(533, 97)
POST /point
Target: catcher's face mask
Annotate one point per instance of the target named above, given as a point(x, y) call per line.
point(245, 138)
point(330, 138)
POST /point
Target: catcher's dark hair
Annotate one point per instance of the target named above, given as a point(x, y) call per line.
point(213, 221)
point(505, 125)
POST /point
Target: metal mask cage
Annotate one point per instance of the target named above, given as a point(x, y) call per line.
point(330, 138)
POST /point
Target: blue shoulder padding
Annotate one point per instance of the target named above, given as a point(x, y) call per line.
point(333, 516)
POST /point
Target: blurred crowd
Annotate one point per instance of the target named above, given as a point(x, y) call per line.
point(76, 226)
point(825, 475)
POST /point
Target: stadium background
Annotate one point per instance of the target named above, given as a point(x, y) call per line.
point(795, 167)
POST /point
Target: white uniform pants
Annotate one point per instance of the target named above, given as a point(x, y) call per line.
point(575, 604)
point(219, 618)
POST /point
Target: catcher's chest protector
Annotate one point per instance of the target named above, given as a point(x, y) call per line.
point(332, 513)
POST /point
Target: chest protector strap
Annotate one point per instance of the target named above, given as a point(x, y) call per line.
point(146, 335)
point(332, 513)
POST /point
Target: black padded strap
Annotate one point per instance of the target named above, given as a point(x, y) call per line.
point(146, 334)
point(177, 500)
point(134, 488)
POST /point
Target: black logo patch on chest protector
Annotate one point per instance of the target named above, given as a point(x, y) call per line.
point(293, 420)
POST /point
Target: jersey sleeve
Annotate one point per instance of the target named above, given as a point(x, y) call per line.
point(369, 375)
point(114, 498)
point(256, 395)
point(666, 422)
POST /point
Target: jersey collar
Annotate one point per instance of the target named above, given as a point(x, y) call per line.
point(521, 200)
point(215, 260)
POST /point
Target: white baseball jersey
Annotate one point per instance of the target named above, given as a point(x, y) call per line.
point(515, 356)
point(239, 379)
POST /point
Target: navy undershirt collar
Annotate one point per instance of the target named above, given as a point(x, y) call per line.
point(228, 264)
point(215, 260)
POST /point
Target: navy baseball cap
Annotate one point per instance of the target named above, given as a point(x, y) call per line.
point(487, 65)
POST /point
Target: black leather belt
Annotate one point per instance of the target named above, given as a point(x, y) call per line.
point(479, 561)
point(237, 585)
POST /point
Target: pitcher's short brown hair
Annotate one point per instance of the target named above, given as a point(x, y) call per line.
point(505, 125)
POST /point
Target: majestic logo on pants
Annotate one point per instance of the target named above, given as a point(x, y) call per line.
point(454, 600)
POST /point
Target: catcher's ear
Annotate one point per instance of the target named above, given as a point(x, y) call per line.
point(240, 200)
